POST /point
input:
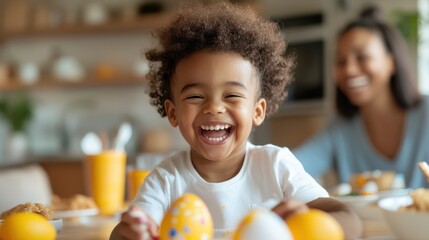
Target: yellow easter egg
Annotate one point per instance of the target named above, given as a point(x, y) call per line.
point(314, 224)
point(27, 226)
point(188, 218)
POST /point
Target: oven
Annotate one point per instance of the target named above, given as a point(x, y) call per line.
point(306, 41)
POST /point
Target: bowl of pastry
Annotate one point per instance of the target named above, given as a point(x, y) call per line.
point(407, 216)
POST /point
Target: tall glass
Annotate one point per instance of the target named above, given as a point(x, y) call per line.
point(135, 178)
point(106, 180)
point(136, 173)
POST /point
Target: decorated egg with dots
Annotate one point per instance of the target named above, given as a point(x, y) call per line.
point(262, 224)
point(187, 219)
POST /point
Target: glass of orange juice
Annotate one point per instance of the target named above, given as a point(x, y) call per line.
point(135, 178)
point(105, 174)
point(137, 173)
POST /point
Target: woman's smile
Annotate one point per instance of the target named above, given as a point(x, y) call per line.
point(358, 82)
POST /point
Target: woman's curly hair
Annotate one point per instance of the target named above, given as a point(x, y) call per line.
point(221, 27)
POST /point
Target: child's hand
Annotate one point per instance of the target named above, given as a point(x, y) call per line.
point(136, 224)
point(288, 207)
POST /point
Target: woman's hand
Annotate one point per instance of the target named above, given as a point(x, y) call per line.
point(424, 167)
point(136, 224)
point(288, 207)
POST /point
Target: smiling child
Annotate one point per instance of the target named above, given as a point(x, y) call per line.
point(219, 70)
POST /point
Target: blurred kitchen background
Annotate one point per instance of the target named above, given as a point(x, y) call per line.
point(70, 67)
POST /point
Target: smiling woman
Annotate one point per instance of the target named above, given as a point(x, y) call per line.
point(382, 117)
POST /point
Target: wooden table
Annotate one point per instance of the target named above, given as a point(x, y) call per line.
point(91, 228)
point(377, 229)
point(99, 228)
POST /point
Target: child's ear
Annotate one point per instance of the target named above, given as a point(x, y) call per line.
point(170, 109)
point(260, 108)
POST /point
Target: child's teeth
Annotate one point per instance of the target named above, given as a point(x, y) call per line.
point(217, 127)
point(218, 139)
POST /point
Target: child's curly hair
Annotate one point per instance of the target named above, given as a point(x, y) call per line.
point(226, 28)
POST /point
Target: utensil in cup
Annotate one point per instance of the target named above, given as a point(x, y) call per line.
point(123, 136)
point(91, 144)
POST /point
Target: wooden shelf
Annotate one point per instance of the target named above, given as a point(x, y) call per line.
point(147, 22)
point(61, 84)
point(144, 23)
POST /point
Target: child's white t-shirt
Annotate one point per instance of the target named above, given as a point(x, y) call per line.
point(269, 174)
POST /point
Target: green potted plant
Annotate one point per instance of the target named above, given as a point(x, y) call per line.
point(16, 112)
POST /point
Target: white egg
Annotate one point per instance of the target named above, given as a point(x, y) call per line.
point(262, 224)
point(370, 188)
point(342, 189)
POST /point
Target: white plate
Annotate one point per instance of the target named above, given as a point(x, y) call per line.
point(393, 193)
point(366, 206)
point(371, 198)
point(393, 203)
point(358, 199)
point(58, 224)
point(75, 213)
